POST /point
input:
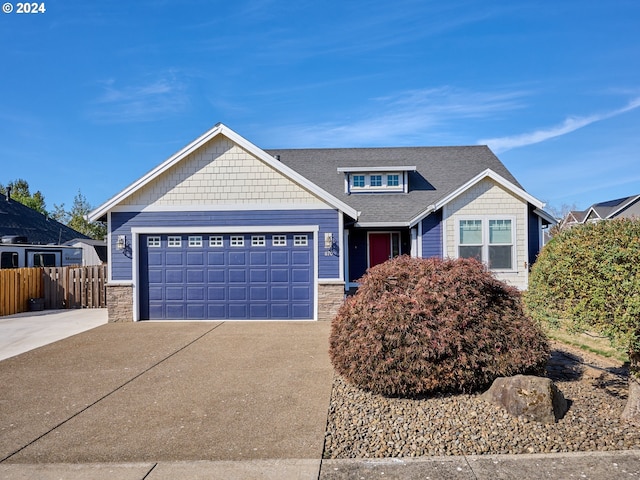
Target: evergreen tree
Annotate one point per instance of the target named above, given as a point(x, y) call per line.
point(21, 193)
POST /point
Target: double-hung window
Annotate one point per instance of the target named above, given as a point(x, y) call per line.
point(500, 244)
point(470, 245)
point(490, 240)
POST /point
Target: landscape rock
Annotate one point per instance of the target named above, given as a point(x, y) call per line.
point(535, 398)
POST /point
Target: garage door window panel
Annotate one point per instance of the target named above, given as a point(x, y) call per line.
point(195, 241)
point(216, 241)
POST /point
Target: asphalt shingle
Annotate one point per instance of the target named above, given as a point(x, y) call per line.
point(439, 171)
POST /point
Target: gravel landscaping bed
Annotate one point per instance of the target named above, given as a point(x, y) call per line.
point(362, 425)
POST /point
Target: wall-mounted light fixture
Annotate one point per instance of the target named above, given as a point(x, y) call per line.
point(121, 244)
point(328, 244)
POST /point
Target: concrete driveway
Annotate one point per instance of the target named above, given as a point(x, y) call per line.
point(25, 331)
point(169, 392)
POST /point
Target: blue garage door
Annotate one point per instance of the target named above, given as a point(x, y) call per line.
point(226, 277)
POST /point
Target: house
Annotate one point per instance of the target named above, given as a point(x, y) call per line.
point(21, 224)
point(625, 207)
point(225, 230)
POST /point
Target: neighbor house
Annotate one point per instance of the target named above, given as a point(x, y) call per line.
point(225, 230)
point(21, 224)
point(626, 207)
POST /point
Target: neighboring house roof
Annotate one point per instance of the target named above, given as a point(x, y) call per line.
point(17, 219)
point(605, 210)
point(441, 174)
point(575, 216)
point(610, 208)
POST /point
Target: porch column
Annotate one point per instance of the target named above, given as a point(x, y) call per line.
point(414, 242)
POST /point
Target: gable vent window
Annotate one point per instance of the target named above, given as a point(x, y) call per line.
point(376, 179)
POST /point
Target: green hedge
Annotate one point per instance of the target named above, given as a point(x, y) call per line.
point(588, 278)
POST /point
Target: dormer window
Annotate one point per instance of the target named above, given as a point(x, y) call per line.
point(376, 179)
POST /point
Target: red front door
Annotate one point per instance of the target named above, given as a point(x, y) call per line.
point(379, 248)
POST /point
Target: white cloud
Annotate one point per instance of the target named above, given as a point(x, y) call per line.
point(571, 124)
point(404, 117)
point(161, 97)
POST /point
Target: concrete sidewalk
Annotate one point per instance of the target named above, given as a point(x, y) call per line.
point(587, 466)
point(210, 400)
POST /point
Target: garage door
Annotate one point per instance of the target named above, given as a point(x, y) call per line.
point(226, 276)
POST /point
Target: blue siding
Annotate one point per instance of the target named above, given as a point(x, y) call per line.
point(432, 235)
point(123, 222)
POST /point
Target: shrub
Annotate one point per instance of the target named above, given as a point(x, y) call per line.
point(419, 326)
point(588, 278)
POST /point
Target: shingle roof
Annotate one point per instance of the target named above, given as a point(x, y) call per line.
point(440, 171)
point(18, 219)
point(604, 209)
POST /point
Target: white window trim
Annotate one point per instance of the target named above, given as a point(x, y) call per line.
point(195, 241)
point(154, 241)
point(236, 241)
point(258, 241)
point(301, 240)
point(485, 238)
point(174, 241)
point(281, 239)
point(384, 187)
point(216, 241)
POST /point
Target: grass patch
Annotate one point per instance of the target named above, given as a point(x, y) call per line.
point(587, 342)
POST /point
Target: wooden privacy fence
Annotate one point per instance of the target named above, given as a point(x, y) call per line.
point(17, 286)
point(58, 287)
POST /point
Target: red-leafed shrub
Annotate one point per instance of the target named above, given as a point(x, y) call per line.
point(419, 326)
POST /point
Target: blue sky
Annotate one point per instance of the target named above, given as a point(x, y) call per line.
point(97, 93)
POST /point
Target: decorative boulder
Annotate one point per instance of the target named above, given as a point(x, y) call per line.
point(535, 398)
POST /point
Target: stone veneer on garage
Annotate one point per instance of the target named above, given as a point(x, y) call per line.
point(120, 303)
